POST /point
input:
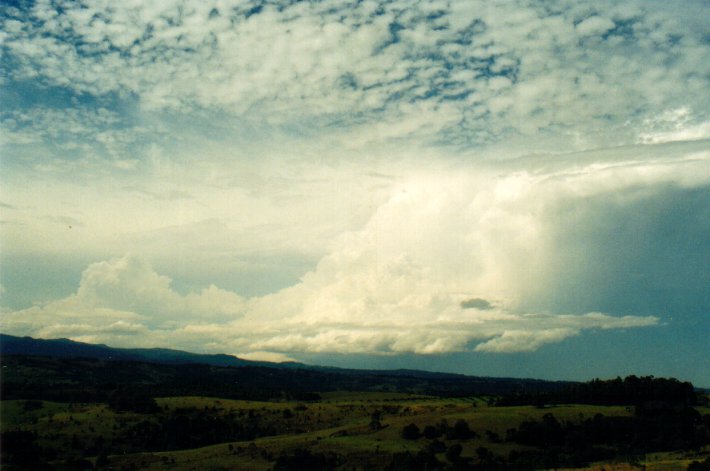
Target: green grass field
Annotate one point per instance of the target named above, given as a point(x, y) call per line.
point(339, 424)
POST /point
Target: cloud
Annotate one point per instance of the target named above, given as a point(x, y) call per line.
point(476, 303)
point(124, 302)
point(265, 356)
point(82, 141)
point(384, 177)
point(594, 25)
point(478, 73)
point(524, 341)
point(672, 126)
point(551, 244)
point(124, 298)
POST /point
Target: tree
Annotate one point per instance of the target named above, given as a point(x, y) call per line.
point(102, 459)
point(483, 453)
point(431, 432)
point(461, 430)
point(436, 446)
point(453, 453)
point(375, 420)
point(410, 432)
point(133, 401)
point(700, 465)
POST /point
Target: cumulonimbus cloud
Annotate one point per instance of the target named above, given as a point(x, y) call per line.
point(457, 259)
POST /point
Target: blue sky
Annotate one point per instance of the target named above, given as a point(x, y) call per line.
point(499, 188)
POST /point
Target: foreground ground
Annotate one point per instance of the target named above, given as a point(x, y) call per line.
point(340, 431)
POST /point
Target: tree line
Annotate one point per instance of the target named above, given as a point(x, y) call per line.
point(631, 391)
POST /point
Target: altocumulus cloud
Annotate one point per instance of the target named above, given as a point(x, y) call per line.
point(466, 73)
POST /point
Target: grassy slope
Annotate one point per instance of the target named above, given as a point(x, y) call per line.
point(337, 424)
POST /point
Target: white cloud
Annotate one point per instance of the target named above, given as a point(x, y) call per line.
point(265, 356)
point(447, 233)
point(124, 297)
point(672, 126)
point(340, 67)
point(524, 341)
point(594, 25)
point(124, 302)
point(686, 133)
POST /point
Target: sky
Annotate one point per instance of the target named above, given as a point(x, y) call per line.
point(514, 188)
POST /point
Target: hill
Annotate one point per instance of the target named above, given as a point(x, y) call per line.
point(65, 348)
point(43, 364)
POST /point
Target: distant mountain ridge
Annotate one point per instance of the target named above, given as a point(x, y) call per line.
point(65, 348)
point(358, 379)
